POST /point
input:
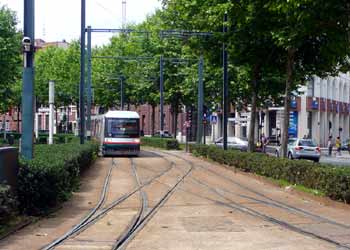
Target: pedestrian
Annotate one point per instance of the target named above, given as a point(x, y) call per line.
point(338, 145)
point(263, 143)
point(330, 146)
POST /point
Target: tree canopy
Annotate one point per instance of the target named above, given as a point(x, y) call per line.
point(10, 60)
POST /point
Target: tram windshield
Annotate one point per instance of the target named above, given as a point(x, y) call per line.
point(122, 127)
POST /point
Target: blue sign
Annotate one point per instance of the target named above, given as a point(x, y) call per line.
point(314, 104)
point(293, 124)
point(293, 104)
point(213, 119)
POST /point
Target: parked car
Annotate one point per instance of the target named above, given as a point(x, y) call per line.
point(301, 149)
point(166, 134)
point(345, 145)
point(233, 143)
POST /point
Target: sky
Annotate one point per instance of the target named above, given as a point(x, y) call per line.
point(56, 20)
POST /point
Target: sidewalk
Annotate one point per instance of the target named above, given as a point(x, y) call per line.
point(344, 154)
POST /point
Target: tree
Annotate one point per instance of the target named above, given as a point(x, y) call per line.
point(314, 36)
point(251, 48)
point(10, 48)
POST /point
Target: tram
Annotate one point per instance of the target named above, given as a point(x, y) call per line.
point(118, 132)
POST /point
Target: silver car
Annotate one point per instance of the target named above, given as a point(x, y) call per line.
point(233, 143)
point(302, 149)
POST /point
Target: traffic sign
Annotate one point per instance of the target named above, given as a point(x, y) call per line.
point(213, 119)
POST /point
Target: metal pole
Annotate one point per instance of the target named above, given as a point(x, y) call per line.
point(161, 87)
point(225, 88)
point(51, 114)
point(82, 74)
point(187, 134)
point(122, 93)
point(200, 101)
point(89, 83)
point(28, 82)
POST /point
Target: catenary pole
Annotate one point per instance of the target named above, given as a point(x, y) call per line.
point(161, 88)
point(89, 83)
point(82, 74)
point(28, 81)
point(225, 87)
point(200, 101)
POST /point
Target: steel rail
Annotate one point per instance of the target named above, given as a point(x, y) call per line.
point(244, 209)
point(137, 218)
point(86, 218)
point(274, 202)
point(153, 210)
point(99, 215)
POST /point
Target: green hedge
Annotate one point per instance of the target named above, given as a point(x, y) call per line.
point(8, 204)
point(57, 138)
point(165, 143)
point(52, 175)
point(333, 181)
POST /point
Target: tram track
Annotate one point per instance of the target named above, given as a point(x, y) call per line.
point(253, 212)
point(137, 218)
point(152, 211)
point(101, 201)
point(138, 221)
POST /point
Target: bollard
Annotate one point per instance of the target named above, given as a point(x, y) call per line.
point(9, 166)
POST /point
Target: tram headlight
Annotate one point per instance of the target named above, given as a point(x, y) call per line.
point(137, 140)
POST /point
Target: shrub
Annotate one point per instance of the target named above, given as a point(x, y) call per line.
point(8, 203)
point(165, 143)
point(52, 175)
point(333, 181)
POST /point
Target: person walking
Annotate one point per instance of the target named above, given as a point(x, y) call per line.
point(338, 145)
point(330, 146)
point(264, 143)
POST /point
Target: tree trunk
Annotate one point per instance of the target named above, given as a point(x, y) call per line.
point(285, 124)
point(18, 110)
point(4, 125)
point(251, 137)
point(175, 114)
point(67, 121)
point(153, 119)
point(57, 127)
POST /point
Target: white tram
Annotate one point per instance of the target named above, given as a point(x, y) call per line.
point(118, 132)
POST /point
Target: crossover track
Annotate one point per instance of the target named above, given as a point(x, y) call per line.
point(86, 219)
point(148, 216)
point(222, 193)
point(142, 217)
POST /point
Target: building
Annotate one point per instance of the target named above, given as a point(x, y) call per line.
point(321, 109)
point(41, 44)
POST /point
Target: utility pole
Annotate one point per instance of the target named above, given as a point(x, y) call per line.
point(82, 74)
point(89, 83)
point(28, 81)
point(122, 92)
point(225, 87)
point(200, 101)
point(161, 88)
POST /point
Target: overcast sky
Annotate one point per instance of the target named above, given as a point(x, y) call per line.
point(56, 20)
